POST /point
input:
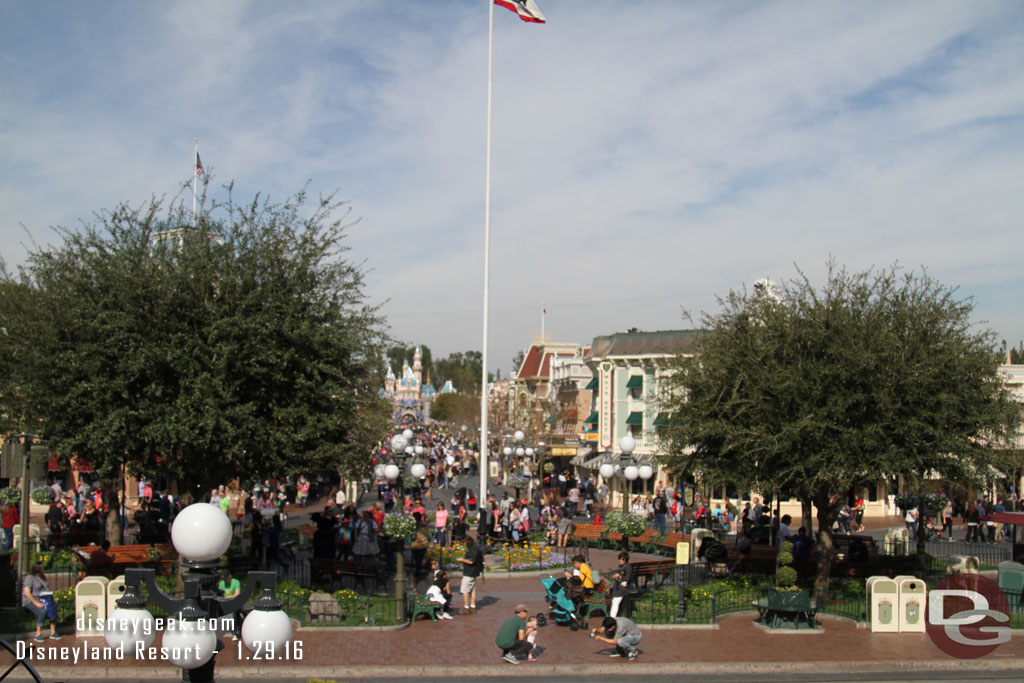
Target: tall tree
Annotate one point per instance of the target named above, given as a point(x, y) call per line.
point(243, 347)
point(463, 369)
point(814, 391)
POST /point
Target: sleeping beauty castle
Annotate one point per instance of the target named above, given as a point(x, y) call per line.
point(410, 398)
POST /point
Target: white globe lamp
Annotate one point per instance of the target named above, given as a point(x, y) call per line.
point(391, 472)
point(194, 646)
point(627, 444)
point(378, 471)
point(631, 472)
point(407, 433)
point(646, 472)
point(418, 469)
point(410, 450)
point(519, 436)
point(529, 452)
point(129, 628)
point(267, 631)
point(419, 449)
point(520, 451)
point(507, 451)
point(201, 532)
point(607, 470)
point(398, 443)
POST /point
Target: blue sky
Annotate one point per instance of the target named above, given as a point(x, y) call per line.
point(647, 155)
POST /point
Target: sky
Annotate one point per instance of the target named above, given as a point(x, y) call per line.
point(647, 155)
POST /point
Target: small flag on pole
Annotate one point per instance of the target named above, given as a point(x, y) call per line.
point(199, 164)
point(526, 9)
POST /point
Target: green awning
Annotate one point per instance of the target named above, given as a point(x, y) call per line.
point(635, 382)
point(592, 385)
point(635, 418)
point(592, 419)
point(661, 420)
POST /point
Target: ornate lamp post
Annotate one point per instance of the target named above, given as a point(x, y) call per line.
point(201, 534)
point(629, 471)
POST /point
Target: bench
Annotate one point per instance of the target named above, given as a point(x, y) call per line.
point(424, 605)
point(325, 571)
point(130, 556)
point(792, 608)
point(587, 533)
point(645, 571)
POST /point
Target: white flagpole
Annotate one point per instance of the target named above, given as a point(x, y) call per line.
point(543, 312)
point(483, 458)
point(195, 173)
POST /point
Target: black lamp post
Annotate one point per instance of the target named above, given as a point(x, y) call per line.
point(190, 641)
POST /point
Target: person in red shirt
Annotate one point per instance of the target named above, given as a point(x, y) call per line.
point(11, 517)
point(378, 513)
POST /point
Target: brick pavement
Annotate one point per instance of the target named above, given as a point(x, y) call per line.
point(466, 644)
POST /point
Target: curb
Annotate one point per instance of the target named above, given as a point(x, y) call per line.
point(690, 669)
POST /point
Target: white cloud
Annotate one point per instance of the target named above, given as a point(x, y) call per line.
point(646, 155)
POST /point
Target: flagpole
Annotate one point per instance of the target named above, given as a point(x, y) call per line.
point(487, 273)
point(543, 312)
point(195, 174)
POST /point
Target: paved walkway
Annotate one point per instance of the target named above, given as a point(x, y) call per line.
point(465, 646)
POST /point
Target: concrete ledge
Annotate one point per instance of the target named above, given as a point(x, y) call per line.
point(501, 670)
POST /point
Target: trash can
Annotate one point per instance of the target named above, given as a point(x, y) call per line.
point(1011, 582)
point(90, 605)
point(882, 601)
point(115, 591)
point(912, 594)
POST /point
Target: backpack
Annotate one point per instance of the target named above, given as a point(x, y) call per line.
point(675, 507)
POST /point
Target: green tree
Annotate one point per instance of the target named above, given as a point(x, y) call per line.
point(813, 392)
point(463, 369)
point(460, 409)
point(243, 347)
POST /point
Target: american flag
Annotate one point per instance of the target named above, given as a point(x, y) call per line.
point(199, 165)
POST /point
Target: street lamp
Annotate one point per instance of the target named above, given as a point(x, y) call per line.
point(200, 534)
point(629, 471)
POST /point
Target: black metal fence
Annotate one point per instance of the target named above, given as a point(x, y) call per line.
point(705, 604)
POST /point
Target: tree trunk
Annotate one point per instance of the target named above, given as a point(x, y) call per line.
point(113, 521)
point(806, 516)
point(827, 515)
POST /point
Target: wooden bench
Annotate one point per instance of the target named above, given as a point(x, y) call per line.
point(645, 571)
point(587, 533)
point(130, 556)
point(324, 571)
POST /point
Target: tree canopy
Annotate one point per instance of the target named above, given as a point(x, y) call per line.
point(241, 347)
point(814, 391)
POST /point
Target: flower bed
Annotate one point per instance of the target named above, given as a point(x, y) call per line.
point(531, 557)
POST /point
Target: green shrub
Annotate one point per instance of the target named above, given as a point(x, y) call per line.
point(785, 558)
point(786, 576)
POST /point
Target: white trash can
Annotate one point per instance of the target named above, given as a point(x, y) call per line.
point(883, 604)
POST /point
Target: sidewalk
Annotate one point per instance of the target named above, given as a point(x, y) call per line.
point(465, 646)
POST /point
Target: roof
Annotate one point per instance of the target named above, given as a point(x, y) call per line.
point(665, 342)
point(538, 364)
point(1006, 518)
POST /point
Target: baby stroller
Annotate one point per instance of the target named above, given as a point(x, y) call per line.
point(563, 610)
